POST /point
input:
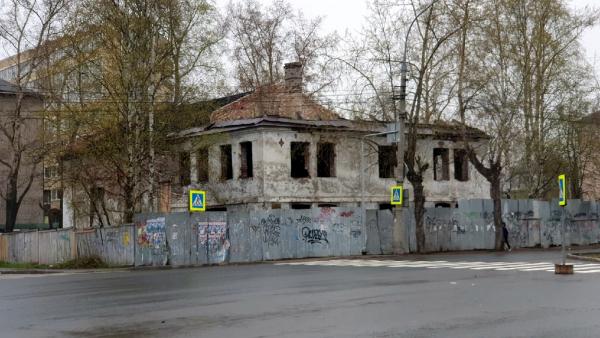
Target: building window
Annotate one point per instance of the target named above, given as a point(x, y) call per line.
point(51, 172)
point(327, 205)
point(440, 164)
point(326, 160)
point(387, 161)
point(226, 164)
point(55, 194)
point(202, 164)
point(246, 159)
point(300, 159)
point(47, 196)
point(442, 205)
point(461, 165)
point(184, 168)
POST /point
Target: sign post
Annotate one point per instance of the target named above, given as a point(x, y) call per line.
point(397, 195)
point(563, 268)
point(197, 200)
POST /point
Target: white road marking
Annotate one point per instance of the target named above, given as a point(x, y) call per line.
point(474, 265)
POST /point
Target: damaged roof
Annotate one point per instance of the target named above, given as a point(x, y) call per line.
point(274, 101)
point(439, 131)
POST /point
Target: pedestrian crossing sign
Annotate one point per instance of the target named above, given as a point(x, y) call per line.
point(562, 190)
point(197, 200)
point(397, 195)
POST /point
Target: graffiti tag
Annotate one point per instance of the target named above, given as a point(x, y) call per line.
point(313, 236)
point(271, 230)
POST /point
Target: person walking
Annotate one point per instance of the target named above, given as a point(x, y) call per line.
point(505, 236)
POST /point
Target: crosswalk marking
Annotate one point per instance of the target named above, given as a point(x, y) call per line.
point(584, 268)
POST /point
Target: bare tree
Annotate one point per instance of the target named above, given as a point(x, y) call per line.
point(25, 31)
point(263, 38)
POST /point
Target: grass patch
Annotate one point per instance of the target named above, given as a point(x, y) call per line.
point(593, 255)
point(7, 265)
point(91, 262)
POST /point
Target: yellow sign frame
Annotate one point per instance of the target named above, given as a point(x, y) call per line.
point(562, 190)
point(196, 192)
point(397, 187)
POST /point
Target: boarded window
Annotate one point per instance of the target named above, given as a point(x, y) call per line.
point(246, 159)
point(326, 160)
point(299, 159)
point(226, 164)
point(440, 164)
point(387, 161)
point(184, 168)
point(461, 165)
point(202, 164)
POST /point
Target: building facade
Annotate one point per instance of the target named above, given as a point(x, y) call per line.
point(277, 148)
point(21, 136)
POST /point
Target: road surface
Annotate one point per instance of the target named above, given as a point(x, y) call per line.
point(453, 295)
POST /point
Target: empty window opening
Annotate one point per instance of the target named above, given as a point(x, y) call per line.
point(440, 164)
point(385, 206)
point(461, 165)
point(275, 205)
point(442, 205)
point(327, 205)
point(216, 208)
point(300, 159)
point(202, 164)
point(300, 205)
point(246, 159)
point(184, 168)
point(387, 161)
point(226, 165)
point(326, 160)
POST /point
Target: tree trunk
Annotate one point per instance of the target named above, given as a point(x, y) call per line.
point(496, 196)
point(12, 207)
point(419, 194)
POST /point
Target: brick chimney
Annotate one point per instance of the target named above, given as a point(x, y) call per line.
point(293, 77)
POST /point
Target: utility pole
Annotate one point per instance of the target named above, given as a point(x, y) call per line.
point(400, 236)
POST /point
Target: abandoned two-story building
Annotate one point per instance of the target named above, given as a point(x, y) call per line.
point(277, 148)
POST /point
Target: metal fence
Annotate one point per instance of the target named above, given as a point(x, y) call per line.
point(181, 239)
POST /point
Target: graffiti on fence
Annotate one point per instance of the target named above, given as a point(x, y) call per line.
point(304, 220)
point(214, 236)
point(355, 233)
point(313, 236)
point(152, 233)
point(346, 213)
point(337, 227)
point(271, 226)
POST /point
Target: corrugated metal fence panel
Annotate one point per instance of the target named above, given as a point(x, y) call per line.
point(179, 237)
point(24, 247)
point(199, 249)
point(385, 226)
point(118, 245)
point(373, 239)
point(151, 240)
point(246, 237)
point(54, 246)
point(89, 242)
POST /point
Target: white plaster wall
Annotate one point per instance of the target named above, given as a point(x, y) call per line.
point(272, 182)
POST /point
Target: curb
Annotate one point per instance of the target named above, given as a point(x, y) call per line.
point(56, 271)
point(579, 256)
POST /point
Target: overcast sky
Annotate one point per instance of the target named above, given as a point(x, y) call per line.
point(348, 14)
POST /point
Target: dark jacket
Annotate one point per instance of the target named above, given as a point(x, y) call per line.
point(504, 232)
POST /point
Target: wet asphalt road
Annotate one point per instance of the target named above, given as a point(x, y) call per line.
point(268, 300)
